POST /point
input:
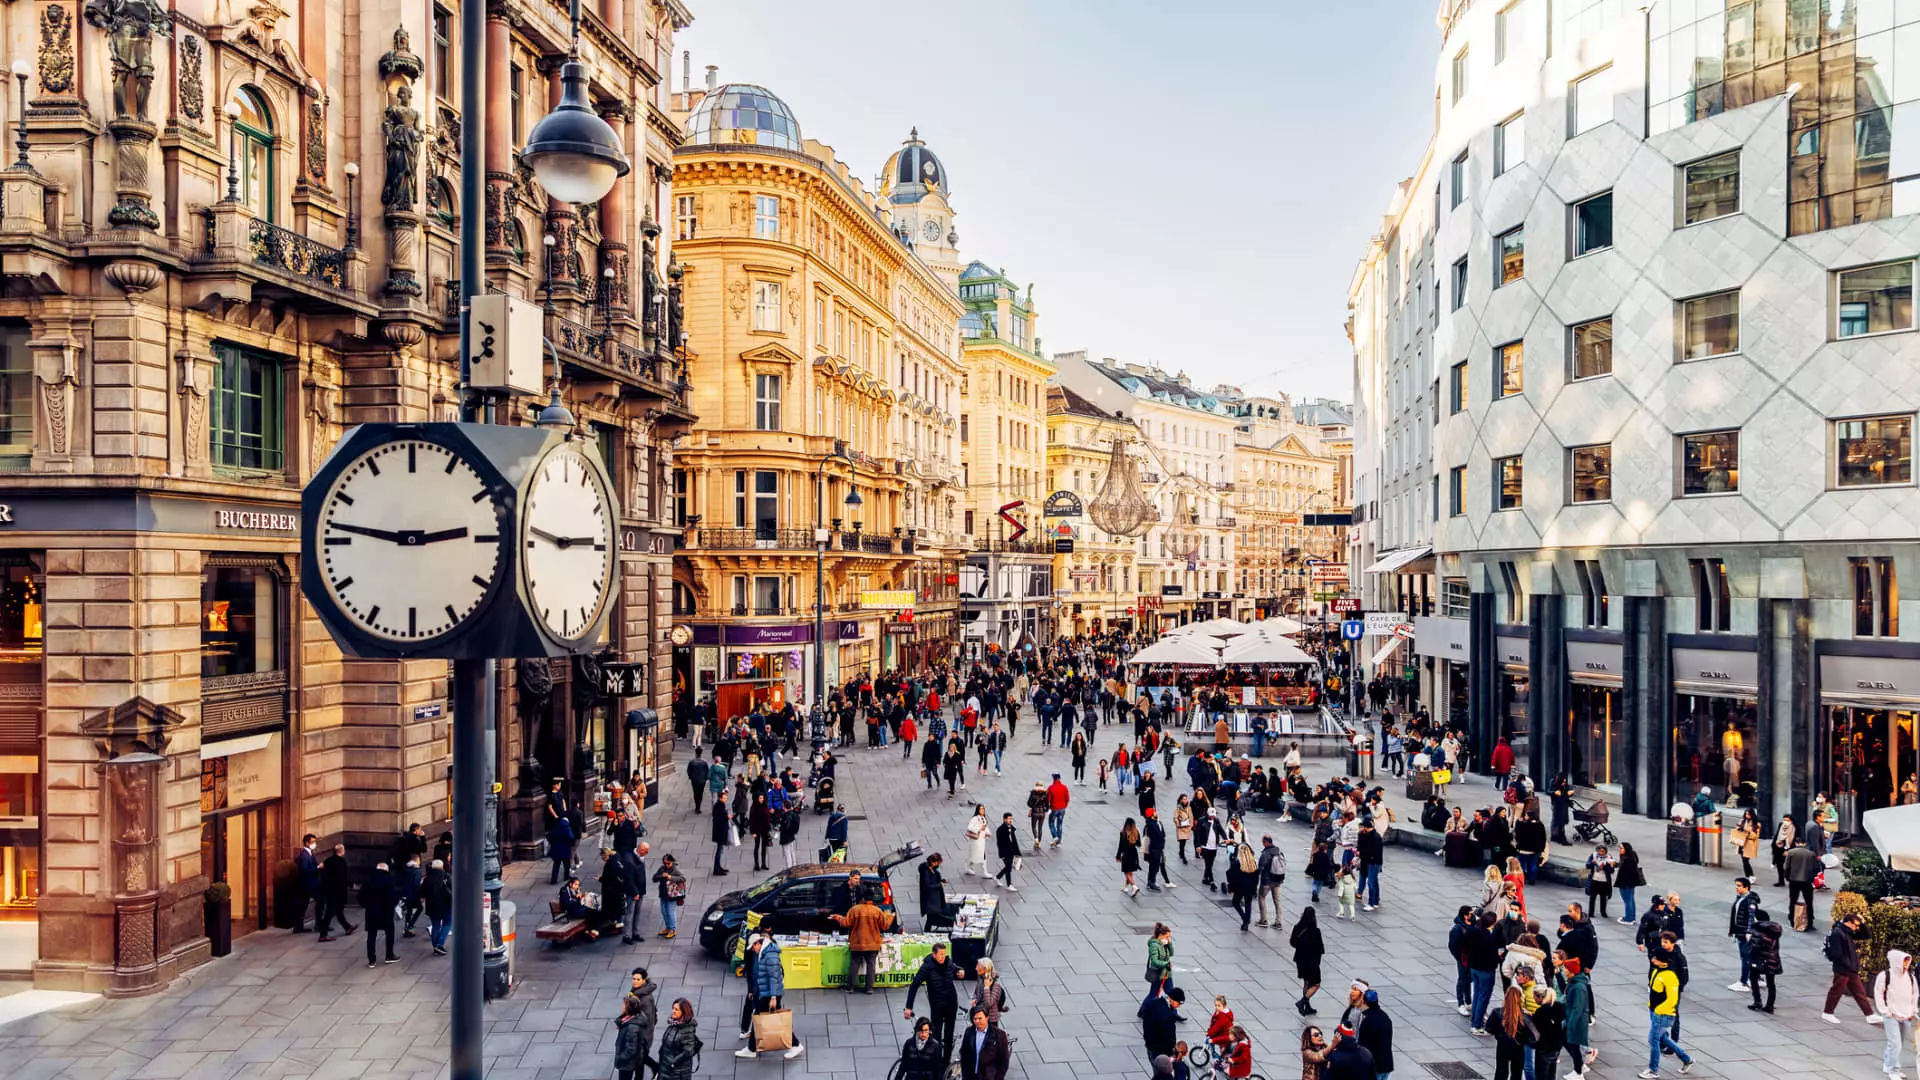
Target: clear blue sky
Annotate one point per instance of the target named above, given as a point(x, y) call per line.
point(1185, 184)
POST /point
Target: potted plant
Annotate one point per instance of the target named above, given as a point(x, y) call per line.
point(219, 907)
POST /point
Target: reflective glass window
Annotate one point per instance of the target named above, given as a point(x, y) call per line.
point(1510, 253)
point(1712, 188)
point(1710, 463)
point(1593, 348)
point(1876, 299)
point(1873, 450)
point(1506, 475)
point(1593, 224)
point(1710, 325)
point(1591, 473)
point(1509, 358)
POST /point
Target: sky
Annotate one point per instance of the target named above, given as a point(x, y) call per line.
point(1189, 185)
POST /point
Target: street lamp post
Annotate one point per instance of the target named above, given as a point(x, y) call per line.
point(820, 539)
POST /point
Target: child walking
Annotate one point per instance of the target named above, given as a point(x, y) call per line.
point(1103, 774)
point(1345, 887)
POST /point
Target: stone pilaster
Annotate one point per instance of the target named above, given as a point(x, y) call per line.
point(59, 426)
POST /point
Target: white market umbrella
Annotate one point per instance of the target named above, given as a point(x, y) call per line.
point(1177, 650)
point(1264, 649)
point(1277, 624)
point(1213, 628)
point(1895, 831)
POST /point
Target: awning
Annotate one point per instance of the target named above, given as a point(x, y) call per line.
point(1385, 651)
point(230, 747)
point(1394, 560)
point(1895, 831)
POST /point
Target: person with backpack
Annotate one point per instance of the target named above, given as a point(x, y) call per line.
point(1663, 1010)
point(1763, 956)
point(1896, 992)
point(1842, 953)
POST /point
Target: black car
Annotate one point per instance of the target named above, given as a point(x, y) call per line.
point(797, 899)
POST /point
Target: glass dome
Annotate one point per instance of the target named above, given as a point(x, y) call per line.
point(743, 113)
point(913, 171)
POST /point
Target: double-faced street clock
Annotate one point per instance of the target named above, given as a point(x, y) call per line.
point(459, 541)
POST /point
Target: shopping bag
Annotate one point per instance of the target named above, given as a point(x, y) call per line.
point(773, 1030)
point(1443, 776)
point(1802, 916)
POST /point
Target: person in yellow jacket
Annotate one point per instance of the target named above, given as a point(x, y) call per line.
point(1663, 1006)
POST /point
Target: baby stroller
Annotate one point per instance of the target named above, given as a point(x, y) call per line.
point(823, 795)
point(1590, 823)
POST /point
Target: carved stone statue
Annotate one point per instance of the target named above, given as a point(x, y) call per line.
point(130, 26)
point(402, 130)
point(130, 797)
point(676, 313)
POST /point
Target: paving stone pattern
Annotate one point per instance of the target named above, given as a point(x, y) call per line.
point(1071, 945)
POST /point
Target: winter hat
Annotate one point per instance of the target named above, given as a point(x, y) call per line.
point(1571, 967)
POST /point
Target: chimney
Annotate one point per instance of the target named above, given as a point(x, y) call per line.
point(713, 77)
point(686, 71)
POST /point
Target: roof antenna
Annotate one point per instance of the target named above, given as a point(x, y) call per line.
point(686, 71)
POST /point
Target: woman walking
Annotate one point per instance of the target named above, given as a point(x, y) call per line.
point(1308, 948)
point(760, 825)
point(1159, 956)
point(1600, 874)
point(922, 1057)
point(680, 1044)
point(989, 995)
point(1782, 843)
point(1128, 856)
point(1243, 880)
point(1747, 835)
point(954, 764)
point(977, 829)
point(1183, 825)
point(1627, 877)
point(1079, 759)
point(1513, 1033)
point(1577, 1005)
point(1206, 841)
point(631, 1037)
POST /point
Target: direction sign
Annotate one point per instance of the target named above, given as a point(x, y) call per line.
point(1381, 623)
point(1353, 629)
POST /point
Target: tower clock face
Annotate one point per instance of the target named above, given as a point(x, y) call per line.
point(410, 541)
point(567, 543)
point(932, 229)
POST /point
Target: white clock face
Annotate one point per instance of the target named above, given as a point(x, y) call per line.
point(567, 543)
point(410, 541)
point(933, 228)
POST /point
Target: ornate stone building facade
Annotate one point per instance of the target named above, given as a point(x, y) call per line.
point(230, 238)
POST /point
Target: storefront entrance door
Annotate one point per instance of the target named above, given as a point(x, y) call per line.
point(1874, 760)
point(234, 848)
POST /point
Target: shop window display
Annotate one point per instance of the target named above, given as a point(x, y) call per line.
point(1872, 756)
point(1598, 741)
point(1715, 743)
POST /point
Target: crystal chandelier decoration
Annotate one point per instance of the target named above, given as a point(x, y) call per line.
point(1180, 544)
point(1120, 509)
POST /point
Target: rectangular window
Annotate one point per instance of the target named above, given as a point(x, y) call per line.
point(1712, 188)
point(247, 410)
point(1593, 224)
point(739, 498)
point(1456, 491)
point(1509, 28)
point(766, 305)
point(1506, 478)
point(686, 216)
point(766, 217)
point(1457, 387)
point(766, 504)
point(1510, 361)
point(766, 403)
point(681, 478)
point(1873, 451)
point(1591, 343)
point(766, 595)
point(1589, 102)
point(820, 322)
point(1876, 299)
point(239, 621)
point(442, 61)
point(1459, 76)
point(1710, 325)
point(1459, 283)
point(1456, 600)
point(963, 427)
point(16, 398)
point(1590, 471)
point(1510, 255)
point(1710, 463)
point(1510, 144)
point(1457, 179)
point(516, 82)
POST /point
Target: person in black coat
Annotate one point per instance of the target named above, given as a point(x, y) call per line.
point(335, 886)
point(436, 893)
point(937, 973)
point(378, 897)
point(933, 899)
point(1496, 836)
point(1376, 1032)
point(1348, 1060)
point(922, 1056)
point(1579, 941)
point(697, 776)
point(1308, 948)
point(1006, 841)
point(613, 892)
point(1158, 1015)
point(1156, 837)
point(722, 833)
point(1145, 790)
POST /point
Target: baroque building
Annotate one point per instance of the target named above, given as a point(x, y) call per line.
point(229, 236)
point(1094, 582)
point(821, 485)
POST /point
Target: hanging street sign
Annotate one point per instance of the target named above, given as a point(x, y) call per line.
point(1353, 629)
point(1063, 504)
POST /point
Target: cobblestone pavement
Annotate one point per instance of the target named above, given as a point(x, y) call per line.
point(1071, 944)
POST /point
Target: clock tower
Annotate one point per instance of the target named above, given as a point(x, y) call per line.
point(915, 183)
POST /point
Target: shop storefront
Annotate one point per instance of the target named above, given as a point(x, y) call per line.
point(1442, 643)
point(1596, 729)
point(1716, 719)
point(1870, 706)
point(241, 821)
point(739, 666)
point(21, 637)
point(1515, 692)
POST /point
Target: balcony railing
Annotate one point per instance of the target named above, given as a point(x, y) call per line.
point(754, 539)
point(577, 337)
point(1228, 521)
point(876, 545)
point(284, 249)
point(1015, 547)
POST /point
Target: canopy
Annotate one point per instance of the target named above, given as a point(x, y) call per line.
point(1178, 650)
point(1276, 624)
point(1265, 649)
point(1215, 628)
point(1895, 830)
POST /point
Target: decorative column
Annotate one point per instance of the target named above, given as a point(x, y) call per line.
point(193, 381)
point(613, 222)
point(499, 157)
point(130, 26)
point(400, 68)
point(56, 369)
point(59, 88)
point(563, 223)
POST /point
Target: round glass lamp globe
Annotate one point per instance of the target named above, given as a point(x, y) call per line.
point(575, 178)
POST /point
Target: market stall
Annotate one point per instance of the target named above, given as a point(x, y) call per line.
point(976, 929)
point(814, 961)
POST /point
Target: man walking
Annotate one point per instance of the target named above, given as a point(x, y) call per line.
point(937, 973)
point(1006, 841)
point(722, 833)
point(1375, 1032)
point(1801, 866)
point(378, 898)
point(436, 893)
point(1156, 834)
point(307, 869)
point(1740, 928)
point(644, 1019)
point(1845, 957)
point(335, 887)
point(697, 776)
point(1273, 873)
point(1371, 849)
point(1057, 809)
point(1663, 1005)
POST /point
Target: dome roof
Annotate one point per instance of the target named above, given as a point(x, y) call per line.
point(743, 113)
point(913, 171)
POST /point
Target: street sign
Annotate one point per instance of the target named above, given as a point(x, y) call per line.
point(886, 598)
point(1062, 504)
point(1063, 547)
point(1347, 606)
point(1381, 623)
point(623, 678)
point(1353, 629)
point(1404, 631)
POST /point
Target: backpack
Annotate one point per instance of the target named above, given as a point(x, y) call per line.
point(1832, 949)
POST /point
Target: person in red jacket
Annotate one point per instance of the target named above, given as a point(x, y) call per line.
point(1239, 1054)
point(1502, 762)
point(1220, 1028)
point(1056, 809)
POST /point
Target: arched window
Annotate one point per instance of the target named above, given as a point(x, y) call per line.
point(253, 145)
point(440, 201)
point(518, 238)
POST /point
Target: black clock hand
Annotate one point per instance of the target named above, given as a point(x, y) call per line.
point(562, 542)
point(362, 530)
point(443, 534)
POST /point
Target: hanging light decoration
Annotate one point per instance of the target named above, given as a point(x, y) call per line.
point(1182, 544)
point(1120, 509)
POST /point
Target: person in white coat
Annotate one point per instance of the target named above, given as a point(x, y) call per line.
point(1896, 995)
point(977, 832)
